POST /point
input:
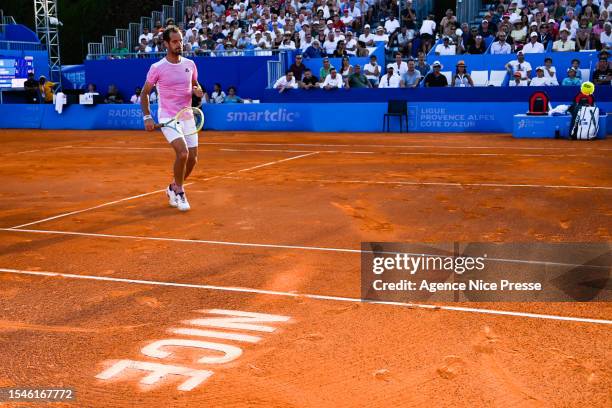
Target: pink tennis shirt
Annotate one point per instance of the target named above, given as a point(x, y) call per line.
point(174, 85)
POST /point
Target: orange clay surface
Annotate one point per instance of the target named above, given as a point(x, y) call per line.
point(292, 192)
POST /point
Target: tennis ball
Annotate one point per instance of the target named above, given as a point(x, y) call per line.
point(587, 88)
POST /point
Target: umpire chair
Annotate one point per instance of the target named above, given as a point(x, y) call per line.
point(397, 109)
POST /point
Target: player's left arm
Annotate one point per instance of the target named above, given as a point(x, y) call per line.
point(196, 88)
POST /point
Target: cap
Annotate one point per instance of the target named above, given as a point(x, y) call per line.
point(461, 63)
point(540, 69)
point(349, 33)
point(436, 64)
point(533, 34)
point(366, 26)
point(484, 21)
point(564, 29)
point(329, 22)
point(325, 59)
point(534, 24)
point(571, 69)
point(192, 22)
point(552, 21)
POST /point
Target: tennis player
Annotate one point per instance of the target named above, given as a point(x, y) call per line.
point(176, 79)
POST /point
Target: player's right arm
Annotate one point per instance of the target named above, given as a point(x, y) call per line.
point(149, 123)
point(152, 78)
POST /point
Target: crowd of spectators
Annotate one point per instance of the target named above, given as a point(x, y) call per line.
point(346, 28)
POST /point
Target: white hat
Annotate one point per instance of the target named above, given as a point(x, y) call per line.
point(540, 68)
point(437, 64)
point(533, 34)
point(330, 22)
point(551, 21)
point(534, 24)
point(564, 29)
point(366, 26)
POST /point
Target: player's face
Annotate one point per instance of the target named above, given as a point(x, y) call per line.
point(175, 45)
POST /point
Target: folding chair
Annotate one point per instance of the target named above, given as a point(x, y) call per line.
point(398, 109)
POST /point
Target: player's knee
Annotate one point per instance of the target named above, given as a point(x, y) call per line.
point(193, 158)
point(183, 155)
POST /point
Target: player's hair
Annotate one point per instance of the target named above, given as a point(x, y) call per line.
point(169, 30)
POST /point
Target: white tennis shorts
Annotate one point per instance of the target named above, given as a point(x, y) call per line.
point(187, 125)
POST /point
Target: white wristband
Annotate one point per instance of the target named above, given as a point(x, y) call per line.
point(147, 117)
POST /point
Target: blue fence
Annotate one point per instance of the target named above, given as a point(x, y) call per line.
point(247, 74)
point(19, 32)
point(338, 117)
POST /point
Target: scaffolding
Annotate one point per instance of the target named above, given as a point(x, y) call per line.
point(47, 30)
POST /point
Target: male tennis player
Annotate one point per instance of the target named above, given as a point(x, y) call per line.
point(176, 79)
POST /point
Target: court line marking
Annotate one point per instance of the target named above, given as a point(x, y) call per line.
point(572, 147)
point(308, 296)
point(431, 183)
point(339, 152)
point(158, 191)
point(275, 246)
point(35, 150)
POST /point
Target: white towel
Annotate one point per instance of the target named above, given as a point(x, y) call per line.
point(60, 101)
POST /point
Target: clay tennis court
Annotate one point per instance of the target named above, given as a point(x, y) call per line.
point(95, 268)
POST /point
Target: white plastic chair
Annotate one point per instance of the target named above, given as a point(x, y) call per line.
point(480, 78)
point(586, 74)
point(448, 75)
point(496, 78)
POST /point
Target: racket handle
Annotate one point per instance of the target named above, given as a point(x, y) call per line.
point(158, 126)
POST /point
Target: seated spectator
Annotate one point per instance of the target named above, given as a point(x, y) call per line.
point(404, 41)
point(422, 66)
point(381, 36)
point(325, 69)
point(340, 51)
point(550, 72)
point(501, 46)
point(391, 24)
point(517, 80)
point(519, 65)
point(314, 51)
point(113, 95)
point(576, 65)
point(445, 48)
point(602, 75)
point(477, 46)
point(120, 51)
point(372, 71)
point(218, 96)
point(412, 77)
point(571, 79)
point(533, 46)
point(135, 99)
point(332, 81)
point(367, 37)
point(540, 80)
point(399, 67)
point(583, 40)
point(390, 79)
point(462, 78)
point(148, 36)
point(346, 68)
point(330, 44)
point(518, 33)
point(232, 97)
point(357, 79)
point(347, 19)
point(564, 44)
point(31, 89)
point(351, 44)
point(143, 47)
point(485, 31)
point(298, 68)
point(605, 37)
point(435, 78)
point(309, 81)
point(362, 51)
point(546, 33)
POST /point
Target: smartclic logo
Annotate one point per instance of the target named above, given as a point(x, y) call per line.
point(280, 115)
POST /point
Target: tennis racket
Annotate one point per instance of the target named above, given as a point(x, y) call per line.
point(185, 114)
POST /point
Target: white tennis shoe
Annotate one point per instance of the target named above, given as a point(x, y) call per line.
point(183, 204)
point(172, 200)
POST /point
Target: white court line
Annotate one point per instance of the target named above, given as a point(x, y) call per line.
point(155, 192)
point(276, 246)
point(433, 183)
point(35, 150)
point(571, 148)
point(308, 296)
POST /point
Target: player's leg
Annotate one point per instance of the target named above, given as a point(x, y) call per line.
point(192, 160)
point(180, 165)
point(191, 140)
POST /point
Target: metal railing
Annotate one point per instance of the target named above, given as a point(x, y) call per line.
point(8, 20)
point(108, 42)
point(468, 9)
point(158, 55)
point(123, 34)
point(275, 71)
point(21, 46)
point(168, 12)
point(94, 49)
point(134, 31)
